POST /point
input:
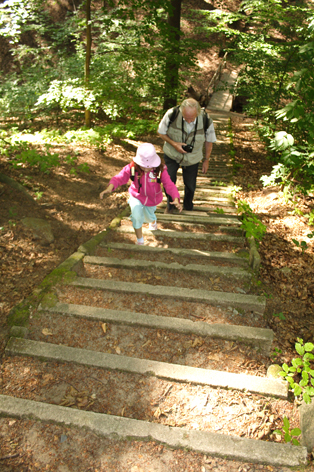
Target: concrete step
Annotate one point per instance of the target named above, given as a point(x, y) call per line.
point(190, 236)
point(207, 270)
point(260, 338)
point(192, 217)
point(236, 300)
point(205, 255)
point(174, 372)
point(213, 444)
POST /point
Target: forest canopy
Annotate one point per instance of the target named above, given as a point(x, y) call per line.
point(139, 60)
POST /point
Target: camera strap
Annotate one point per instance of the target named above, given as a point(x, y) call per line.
point(184, 133)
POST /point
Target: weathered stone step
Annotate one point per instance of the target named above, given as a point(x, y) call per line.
point(190, 236)
point(192, 218)
point(213, 191)
point(205, 206)
point(205, 442)
point(259, 338)
point(215, 256)
point(210, 191)
point(248, 302)
point(173, 266)
point(134, 365)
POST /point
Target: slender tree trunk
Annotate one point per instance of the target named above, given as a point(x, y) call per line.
point(87, 58)
point(172, 59)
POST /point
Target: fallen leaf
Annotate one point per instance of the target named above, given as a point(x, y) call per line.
point(118, 350)
point(47, 332)
point(104, 327)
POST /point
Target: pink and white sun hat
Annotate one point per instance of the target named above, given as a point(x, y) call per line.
point(146, 156)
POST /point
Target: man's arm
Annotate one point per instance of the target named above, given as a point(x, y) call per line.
point(208, 151)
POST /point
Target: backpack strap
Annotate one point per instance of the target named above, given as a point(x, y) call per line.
point(207, 121)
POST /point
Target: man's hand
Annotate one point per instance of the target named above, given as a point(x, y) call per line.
point(205, 166)
point(177, 146)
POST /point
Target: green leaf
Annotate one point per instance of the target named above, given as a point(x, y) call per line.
point(297, 362)
point(295, 442)
point(306, 398)
point(297, 390)
point(305, 376)
point(286, 423)
point(309, 347)
point(295, 432)
point(287, 437)
point(300, 349)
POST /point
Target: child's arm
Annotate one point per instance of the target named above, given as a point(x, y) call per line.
point(108, 190)
point(118, 180)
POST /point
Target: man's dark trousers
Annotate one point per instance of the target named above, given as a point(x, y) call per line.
point(189, 180)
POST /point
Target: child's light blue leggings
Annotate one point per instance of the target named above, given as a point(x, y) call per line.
point(140, 213)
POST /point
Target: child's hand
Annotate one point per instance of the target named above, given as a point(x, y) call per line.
point(177, 204)
point(108, 190)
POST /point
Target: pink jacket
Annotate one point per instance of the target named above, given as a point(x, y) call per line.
point(146, 189)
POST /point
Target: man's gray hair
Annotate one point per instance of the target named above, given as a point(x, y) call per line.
point(191, 103)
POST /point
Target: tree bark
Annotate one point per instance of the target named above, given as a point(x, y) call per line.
point(87, 58)
point(7, 180)
point(172, 59)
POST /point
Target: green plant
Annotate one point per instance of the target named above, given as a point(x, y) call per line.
point(31, 157)
point(219, 211)
point(303, 245)
point(38, 195)
point(13, 211)
point(300, 374)
point(251, 225)
point(280, 316)
point(287, 433)
point(276, 352)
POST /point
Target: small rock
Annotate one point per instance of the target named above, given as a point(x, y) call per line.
point(41, 229)
point(273, 371)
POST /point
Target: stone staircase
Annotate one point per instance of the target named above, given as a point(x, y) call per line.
point(193, 271)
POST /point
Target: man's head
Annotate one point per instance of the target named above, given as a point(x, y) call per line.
point(190, 109)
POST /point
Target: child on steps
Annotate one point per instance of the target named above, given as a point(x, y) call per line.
point(147, 172)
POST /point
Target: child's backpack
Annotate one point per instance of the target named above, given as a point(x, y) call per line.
point(133, 174)
point(207, 121)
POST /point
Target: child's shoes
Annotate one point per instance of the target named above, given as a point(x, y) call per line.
point(140, 241)
point(153, 226)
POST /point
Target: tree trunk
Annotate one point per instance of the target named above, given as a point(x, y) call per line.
point(87, 58)
point(172, 58)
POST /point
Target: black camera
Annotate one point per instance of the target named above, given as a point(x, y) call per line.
point(188, 148)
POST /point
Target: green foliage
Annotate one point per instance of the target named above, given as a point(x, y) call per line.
point(275, 49)
point(277, 352)
point(303, 245)
point(128, 63)
point(288, 433)
point(300, 375)
point(219, 211)
point(44, 162)
point(251, 225)
point(280, 315)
